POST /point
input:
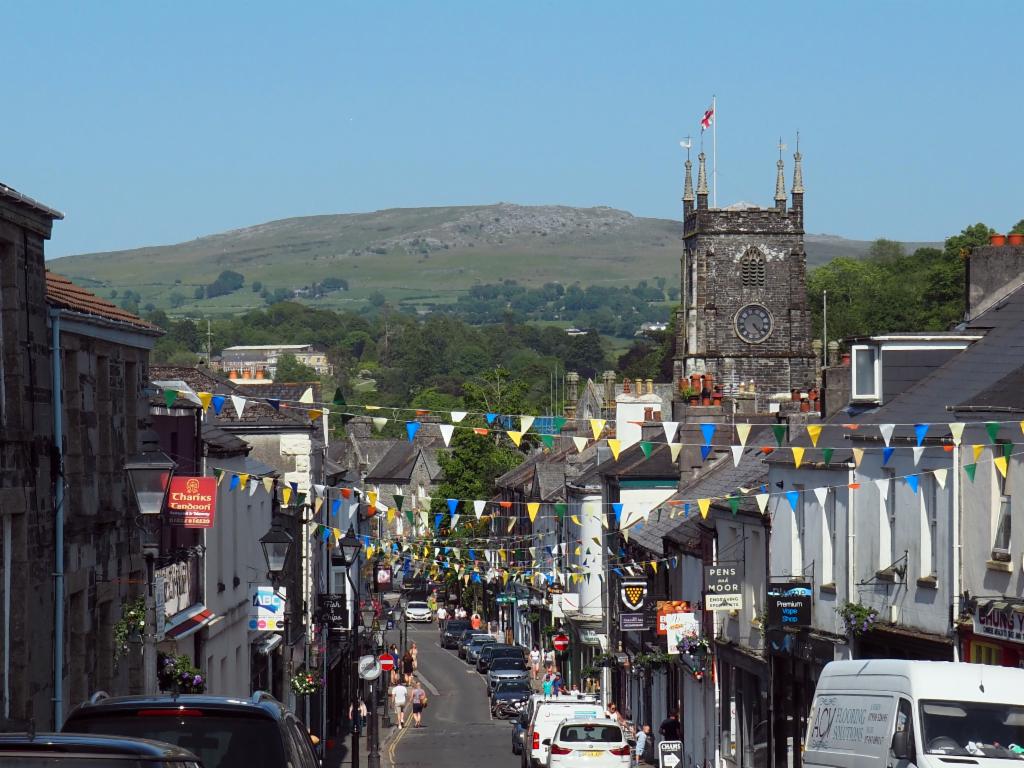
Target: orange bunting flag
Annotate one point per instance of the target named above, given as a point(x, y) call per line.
point(853, 486)
point(615, 446)
point(705, 505)
point(480, 430)
point(798, 455)
point(314, 414)
point(814, 432)
point(505, 504)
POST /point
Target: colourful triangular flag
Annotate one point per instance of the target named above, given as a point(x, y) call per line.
point(615, 446)
point(411, 428)
point(798, 456)
point(704, 505)
point(580, 443)
point(737, 454)
point(1000, 464)
point(956, 429)
point(597, 427)
point(379, 422)
point(532, 507)
point(920, 430)
point(992, 427)
point(646, 447)
point(886, 431)
point(887, 454)
point(670, 427)
point(239, 403)
point(794, 498)
point(918, 451)
point(814, 432)
point(204, 399)
point(858, 456)
point(762, 502)
point(708, 430)
point(170, 397)
point(779, 430)
point(826, 455)
point(940, 478)
point(447, 430)
point(515, 437)
point(478, 508)
point(743, 432)
point(525, 422)
point(912, 481)
point(674, 449)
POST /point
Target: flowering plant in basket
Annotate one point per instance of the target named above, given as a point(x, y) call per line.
point(178, 673)
point(306, 681)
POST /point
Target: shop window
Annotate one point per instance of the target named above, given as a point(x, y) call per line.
point(986, 653)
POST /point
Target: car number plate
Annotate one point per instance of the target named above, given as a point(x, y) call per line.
point(593, 753)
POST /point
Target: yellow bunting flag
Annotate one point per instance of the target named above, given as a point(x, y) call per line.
point(369, 552)
point(743, 432)
point(314, 414)
point(268, 484)
point(858, 456)
point(511, 524)
point(615, 446)
point(371, 407)
point(207, 397)
point(243, 480)
point(501, 554)
point(516, 437)
point(798, 455)
point(576, 520)
point(814, 432)
point(654, 565)
point(674, 449)
point(318, 504)
point(705, 505)
point(391, 514)
point(597, 427)
point(286, 495)
point(532, 507)
point(371, 498)
point(977, 451)
point(1000, 462)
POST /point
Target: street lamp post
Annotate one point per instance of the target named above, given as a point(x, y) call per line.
point(150, 477)
point(276, 544)
point(349, 547)
point(373, 734)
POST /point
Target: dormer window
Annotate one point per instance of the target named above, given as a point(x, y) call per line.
point(867, 374)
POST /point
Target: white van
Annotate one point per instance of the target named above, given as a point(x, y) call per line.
point(930, 714)
point(547, 714)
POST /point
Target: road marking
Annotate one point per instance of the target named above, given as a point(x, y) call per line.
point(427, 683)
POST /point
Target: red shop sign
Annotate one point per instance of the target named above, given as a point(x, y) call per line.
point(193, 499)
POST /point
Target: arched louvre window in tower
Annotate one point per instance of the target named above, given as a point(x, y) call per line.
point(753, 269)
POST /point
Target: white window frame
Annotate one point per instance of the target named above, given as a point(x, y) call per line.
point(876, 395)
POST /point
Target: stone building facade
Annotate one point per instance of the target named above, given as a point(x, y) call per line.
point(744, 314)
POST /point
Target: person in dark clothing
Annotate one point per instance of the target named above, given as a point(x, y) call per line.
point(671, 729)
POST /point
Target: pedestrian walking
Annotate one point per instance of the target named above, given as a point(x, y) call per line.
point(400, 695)
point(415, 656)
point(549, 660)
point(396, 664)
point(535, 661)
point(357, 715)
point(408, 666)
point(548, 685)
point(476, 621)
point(556, 685)
point(442, 617)
point(644, 745)
point(419, 703)
point(671, 729)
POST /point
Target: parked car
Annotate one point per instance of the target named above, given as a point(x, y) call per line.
point(417, 611)
point(504, 669)
point(27, 750)
point(496, 650)
point(223, 732)
point(519, 726)
point(510, 690)
point(547, 714)
point(475, 645)
point(593, 743)
point(467, 638)
point(452, 632)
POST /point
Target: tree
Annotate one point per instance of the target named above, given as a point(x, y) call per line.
point(471, 467)
point(257, 286)
point(176, 299)
point(289, 369)
point(1018, 228)
point(495, 391)
point(199, 292)
point(226, 282)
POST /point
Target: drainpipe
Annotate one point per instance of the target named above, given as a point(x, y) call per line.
point(58, 524)
point(851, 545)
point(954, 578)
point(7, 616)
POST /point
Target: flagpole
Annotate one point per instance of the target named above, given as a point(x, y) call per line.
point(714, 151)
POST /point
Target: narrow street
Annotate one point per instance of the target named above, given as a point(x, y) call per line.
point(458, 727)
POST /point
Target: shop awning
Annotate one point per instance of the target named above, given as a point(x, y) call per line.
point(266, 645)
point(188, 622)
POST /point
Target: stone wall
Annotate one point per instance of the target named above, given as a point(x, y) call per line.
point(992, 272)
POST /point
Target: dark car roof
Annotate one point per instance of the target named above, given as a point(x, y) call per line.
point(99, 745)
point(260, 704)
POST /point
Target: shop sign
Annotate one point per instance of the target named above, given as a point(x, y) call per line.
point(590, 637)
point(634, 611)
point(681, 626)
point(192, 501)
point(789, 604)
point(722, 588)
point(333, 611)
point(175, 582)
point(267, 608)
point(999, 625)
point(667, 608)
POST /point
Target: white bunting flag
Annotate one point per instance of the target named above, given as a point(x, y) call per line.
point(458, 416)
point(379, 422)
point(940, 478)
point(956, 429)
point(821, 494)
point(455, 524)
point(918, 453)
point(883, 488)
point(886, 430)
point(446, 432)
point(580, 442)
point(670, 427)
point(737, 454)
point(743, 432)
point(525, 422)
point(239, 403)
point(762, 502)
point(478, 507)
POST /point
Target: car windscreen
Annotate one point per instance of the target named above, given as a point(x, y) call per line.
point(972, 729)
point(507, 663)
point(219, 740)
point(476, 642)
point(590, 732)
point(418, 607)
point(36, 760)
point(456, 626)
point(516, 686)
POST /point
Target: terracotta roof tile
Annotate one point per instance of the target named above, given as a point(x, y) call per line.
point(61, 292)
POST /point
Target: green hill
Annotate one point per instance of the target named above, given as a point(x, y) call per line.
point(414, 256)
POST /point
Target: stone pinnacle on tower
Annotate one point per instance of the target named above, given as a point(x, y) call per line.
point(688, 188)
point(702, 182)
point(798, 173)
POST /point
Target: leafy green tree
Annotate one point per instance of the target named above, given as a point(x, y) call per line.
point(199, 292)
point(257, 286)
point(176, 299)
point(227, 282)
point(471, 466)
point(1018, 228)
point(289, 369)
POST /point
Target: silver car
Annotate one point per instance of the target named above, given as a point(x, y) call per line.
point(473, 649)
point(505, 668)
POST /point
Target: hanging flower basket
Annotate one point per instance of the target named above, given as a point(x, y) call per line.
point(131, 623)
point(306, 681)
point(605, 660)
point(857, 618)
point(177, 674)
point(654, 660)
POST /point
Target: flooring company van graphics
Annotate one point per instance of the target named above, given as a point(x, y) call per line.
point(851, 723)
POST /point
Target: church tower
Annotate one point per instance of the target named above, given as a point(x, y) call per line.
point(744, 314)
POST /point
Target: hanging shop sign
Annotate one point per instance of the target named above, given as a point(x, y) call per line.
point(267, 608)
point(722, 587)
point(175, 582)
point(192, 501)
point(634, 612)
point(332, 610)
point(666, 608)
point(382, 577)
point(789, 604)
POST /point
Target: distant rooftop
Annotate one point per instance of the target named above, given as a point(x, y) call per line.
point(260, 347)
point(61, 292)
point(12, 194)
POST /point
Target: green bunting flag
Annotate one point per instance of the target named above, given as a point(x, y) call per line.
point(559, 422)
point(826, 455)
point(646, 447)
point(170, 396)
point(992, 427)
point(399, 501)
point(548, 440)
point(409, 515)
point(734, 504)
point(780, 433)
point(971, 469)
point(339, 398)
point(1007, 450)
point(561, 508)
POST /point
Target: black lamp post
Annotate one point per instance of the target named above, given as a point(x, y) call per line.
point(277, 544)
point(348, 550)
point(149, 475)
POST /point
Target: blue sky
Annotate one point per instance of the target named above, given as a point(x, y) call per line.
point(156, 123)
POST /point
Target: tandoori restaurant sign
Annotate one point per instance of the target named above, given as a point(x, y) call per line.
point(193, 501)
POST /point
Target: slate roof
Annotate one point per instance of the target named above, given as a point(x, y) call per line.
point(716, 482)
point(289, 392)
point(10, 193)
point(398, 463)
point(543, 471)
point(62, 293)
point(221, 443)
point(633, 464)
point(256, 413)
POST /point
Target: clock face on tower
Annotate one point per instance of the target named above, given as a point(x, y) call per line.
point(753, 323)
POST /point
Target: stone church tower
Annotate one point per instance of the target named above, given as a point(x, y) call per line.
point(744, 314)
